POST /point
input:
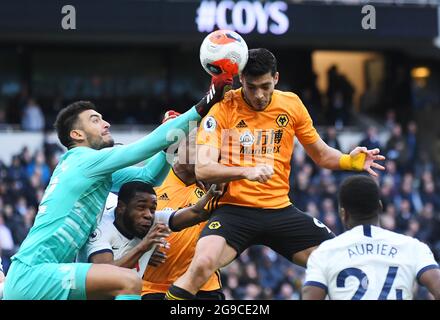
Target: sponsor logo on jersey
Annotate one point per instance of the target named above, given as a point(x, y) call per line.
point(214, 225)
point(199, 192)
point(247, 139)
point(241, 124)
point(261, 150)
point(164, 196)
point(282, 120)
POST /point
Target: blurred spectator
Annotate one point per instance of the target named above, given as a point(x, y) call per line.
point(32, 118)
point(391, 175)
point(25, 156)
point(330, 216)
point(371, 141)
point(429, 195)
point(390, 120)
point(287, 293)
point(409, 192)
point(270, 277)
point(253, 292)
point(331, 138)
point(16, 171)
point(15, 223)
point(51, 148)
point(413, 228)
point(312, 102)
point(339, 98)
point(300, 190)
point(388, 218)
point(39, 167)
point(6, 244)
point(412, 145)
point(404, 216)
point(387, 193)
point(312, 209)
point(425, 220)
point(396, 148)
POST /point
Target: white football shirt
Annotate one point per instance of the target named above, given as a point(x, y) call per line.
point(369, 263)
point(107, 238)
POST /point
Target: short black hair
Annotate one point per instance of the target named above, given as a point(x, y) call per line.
point(129, 189)
point(67, 118)
point(359, 195)
point(260, 62)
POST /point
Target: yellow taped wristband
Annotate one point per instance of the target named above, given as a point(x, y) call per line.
point(356, 163)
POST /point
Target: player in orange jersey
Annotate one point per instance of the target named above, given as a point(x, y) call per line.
point(247, 140)
point(178, 190)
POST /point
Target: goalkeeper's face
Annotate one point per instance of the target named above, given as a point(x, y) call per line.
point(258, 90)
point(95, 130)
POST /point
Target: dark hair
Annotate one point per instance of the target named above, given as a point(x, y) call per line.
point(66, 119)
point(129, 189)
point(360, 196)
point(260, 62)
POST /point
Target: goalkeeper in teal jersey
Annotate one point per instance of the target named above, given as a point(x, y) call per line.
point(43, 268)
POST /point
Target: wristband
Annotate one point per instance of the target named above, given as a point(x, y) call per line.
point(356, 163)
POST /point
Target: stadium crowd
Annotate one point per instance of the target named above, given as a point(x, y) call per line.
point(409, 195)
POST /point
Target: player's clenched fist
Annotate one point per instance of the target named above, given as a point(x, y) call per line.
point(260, 173)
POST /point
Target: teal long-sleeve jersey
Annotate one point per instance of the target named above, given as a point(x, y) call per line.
point(78, 189)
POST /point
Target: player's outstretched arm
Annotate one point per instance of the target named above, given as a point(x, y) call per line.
point(360, 159)
point(112, 159)
point(157, 235)
point(195, 214)
point(153, 172)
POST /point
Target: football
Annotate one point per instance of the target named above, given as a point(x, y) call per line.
point(223, 51)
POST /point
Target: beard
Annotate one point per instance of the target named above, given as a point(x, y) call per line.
point(100, 143)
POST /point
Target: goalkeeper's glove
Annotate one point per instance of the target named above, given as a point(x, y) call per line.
point(170, 115)
point(219, 85)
